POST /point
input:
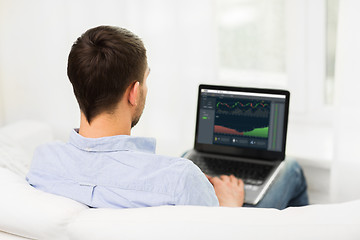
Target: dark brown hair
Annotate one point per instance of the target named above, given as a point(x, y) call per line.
point(102, 63)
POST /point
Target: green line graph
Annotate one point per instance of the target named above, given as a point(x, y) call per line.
point(258, 132)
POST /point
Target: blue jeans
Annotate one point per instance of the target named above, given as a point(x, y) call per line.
point(287, 190)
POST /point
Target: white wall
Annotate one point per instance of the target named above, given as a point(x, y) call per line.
point(33, 63)
point(346, 167)
point(36, 37)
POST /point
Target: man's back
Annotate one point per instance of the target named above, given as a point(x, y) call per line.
point(118, 171)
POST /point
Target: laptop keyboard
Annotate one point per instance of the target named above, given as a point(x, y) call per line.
point(250, 173)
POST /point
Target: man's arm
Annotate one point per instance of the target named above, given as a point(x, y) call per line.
point(229, 190)
point(193, 188)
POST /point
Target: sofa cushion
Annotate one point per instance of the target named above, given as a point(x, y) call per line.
point(28, 134)
point(31, 213)
point(12, 156)
point(18, 142)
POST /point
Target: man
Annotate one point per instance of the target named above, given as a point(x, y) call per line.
point(102, 165)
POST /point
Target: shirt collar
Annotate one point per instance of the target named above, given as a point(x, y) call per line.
point(112, 143)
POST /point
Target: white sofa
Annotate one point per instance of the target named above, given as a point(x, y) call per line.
point(27, 213)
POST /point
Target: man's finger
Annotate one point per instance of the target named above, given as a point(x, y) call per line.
point(225, 178)
point(214, 180)
point(233, 179)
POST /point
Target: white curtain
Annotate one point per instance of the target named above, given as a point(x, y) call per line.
point(346, 166)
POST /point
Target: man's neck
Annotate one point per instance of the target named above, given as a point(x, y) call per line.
point(104, 125)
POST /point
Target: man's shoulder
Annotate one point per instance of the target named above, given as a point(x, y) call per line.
point(176, 163)
point(48, 153)
point(50, 147)
point(171, 159)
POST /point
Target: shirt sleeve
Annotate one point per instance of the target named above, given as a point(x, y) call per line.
point(194, 188)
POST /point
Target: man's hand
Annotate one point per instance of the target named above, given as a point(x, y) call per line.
point(229, 190)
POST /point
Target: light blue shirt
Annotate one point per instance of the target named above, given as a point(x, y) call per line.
point(118, 172)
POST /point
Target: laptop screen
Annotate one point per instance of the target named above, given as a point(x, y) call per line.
point(242, 121)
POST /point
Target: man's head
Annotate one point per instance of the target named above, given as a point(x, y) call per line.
point(103, 63)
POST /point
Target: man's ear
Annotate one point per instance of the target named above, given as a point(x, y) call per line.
point(134, 91)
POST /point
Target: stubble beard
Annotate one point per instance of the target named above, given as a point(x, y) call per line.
point(139, 110)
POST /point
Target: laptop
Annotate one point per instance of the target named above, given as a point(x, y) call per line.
point(241, 131)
